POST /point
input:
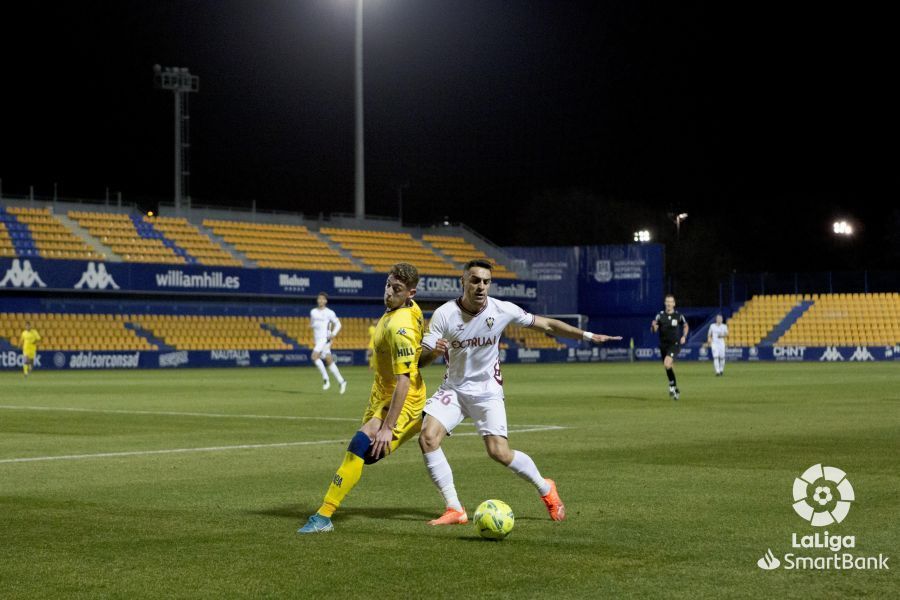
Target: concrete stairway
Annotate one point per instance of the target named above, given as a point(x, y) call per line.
point(337, 248)
point(282, 336)
point(83, 234)
point(234, 252)
point(786, 323)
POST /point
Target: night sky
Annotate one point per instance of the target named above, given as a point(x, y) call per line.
point(537, 123)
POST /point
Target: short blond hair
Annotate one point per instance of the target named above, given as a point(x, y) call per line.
point(406, 273)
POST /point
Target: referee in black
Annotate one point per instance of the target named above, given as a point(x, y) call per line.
point(670, 323)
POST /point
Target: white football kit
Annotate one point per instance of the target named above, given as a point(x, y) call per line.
point(718, 333)
point(473, 384)
point(319, 320)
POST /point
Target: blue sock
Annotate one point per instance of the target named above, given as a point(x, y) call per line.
point(359, 445)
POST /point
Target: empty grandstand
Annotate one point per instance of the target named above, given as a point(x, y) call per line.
point(36, 232)
point(131, 238)
point(195, 243)
point(847, 320)
point(75, 331)
point(125, 332)
point(758, 317)
point(461, 251)
point(378, 250)
point(287, 260)
point(280, 246)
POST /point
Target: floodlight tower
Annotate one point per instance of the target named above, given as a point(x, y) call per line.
point(182, 83)
point(360, 166)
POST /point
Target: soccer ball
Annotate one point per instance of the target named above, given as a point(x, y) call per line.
point(494, 519)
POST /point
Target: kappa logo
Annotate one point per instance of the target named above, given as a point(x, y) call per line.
point(21, 275)
point(96, 277)
point(822, 495)
point(831, 354)
point(861, 354)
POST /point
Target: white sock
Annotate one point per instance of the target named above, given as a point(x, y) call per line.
point(442, 476)
point(721, 365)
point(716, 364)
point(524, 467)
point(321, 366)
point(334, 371)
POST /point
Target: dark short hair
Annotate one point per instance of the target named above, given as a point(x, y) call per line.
point(479, 262)
point(322, 294)
point(406, 273)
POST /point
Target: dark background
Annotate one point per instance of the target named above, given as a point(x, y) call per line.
point(535, 122)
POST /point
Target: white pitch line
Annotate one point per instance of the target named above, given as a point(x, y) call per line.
point(171, 451)
point(221, 448)
point(169, 413)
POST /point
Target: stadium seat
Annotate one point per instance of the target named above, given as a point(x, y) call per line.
point(460, 252)
point(37, 232)
point(758, 317)
point(847, 320)
point(280, 246)
point(382, 249)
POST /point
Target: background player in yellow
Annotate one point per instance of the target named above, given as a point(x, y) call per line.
point(30, 339)
point(394, 413)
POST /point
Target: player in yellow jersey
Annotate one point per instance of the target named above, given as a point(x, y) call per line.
point(394, 413)
point(30, 339)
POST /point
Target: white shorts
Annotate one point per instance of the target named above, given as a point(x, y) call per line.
point(450, 408)
point(323, 347)
point(718, 350)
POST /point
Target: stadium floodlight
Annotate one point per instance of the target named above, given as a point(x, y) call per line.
point(642, 236)
point(360, 179)
point(679, 219)
point(180, 81)
point(842, 228)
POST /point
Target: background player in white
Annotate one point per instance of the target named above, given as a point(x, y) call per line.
point(718, 331)
point(325, 326)
point(467, 332)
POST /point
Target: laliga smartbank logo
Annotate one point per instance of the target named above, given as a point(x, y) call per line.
point(822, 497)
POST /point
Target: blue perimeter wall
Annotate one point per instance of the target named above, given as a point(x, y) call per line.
point(10, 359)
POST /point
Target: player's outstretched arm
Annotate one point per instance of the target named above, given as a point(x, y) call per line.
point(560, 329)
point(385, 435)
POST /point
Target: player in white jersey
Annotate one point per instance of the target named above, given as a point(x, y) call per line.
point(718, 331)
point(467, 333)
point(325, 326)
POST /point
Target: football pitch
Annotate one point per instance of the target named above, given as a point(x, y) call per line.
point(192, 483)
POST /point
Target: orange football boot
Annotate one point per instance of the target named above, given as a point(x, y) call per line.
point(554, 504)
point(451, 517)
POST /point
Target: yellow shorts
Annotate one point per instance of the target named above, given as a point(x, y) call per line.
point(409, 423)
point(29, 353)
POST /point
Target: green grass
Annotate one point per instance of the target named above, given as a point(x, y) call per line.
point(665, 499)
